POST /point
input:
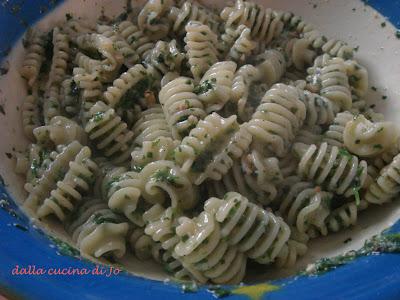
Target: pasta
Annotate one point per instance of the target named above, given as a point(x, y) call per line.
point(100, 232)
point(191, 11)
point(182, 107)
point(340, 171)
point(200, 47)
point(210, 148)
point(150, 126)
point(30, 115)
point(329, 77)
point(109, 132)
point(278, 117)
point(386, 186)
point(254, 177)
point(260, 234)
point(200, 139)
point(136, 38)
point(367, 139)
point(34, 58)
point(214, 89)
point(69, 192)
point(204, 253)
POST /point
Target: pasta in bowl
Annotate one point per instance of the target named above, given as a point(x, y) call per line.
point(202, 140)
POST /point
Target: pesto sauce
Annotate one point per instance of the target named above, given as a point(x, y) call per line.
point(75, 89)
point(205, 86)
point(63, 247)
point(166, 175)
point(378, 244)
point(100, 219)
point(134, 94)
point(48, 52)
point(219, 292)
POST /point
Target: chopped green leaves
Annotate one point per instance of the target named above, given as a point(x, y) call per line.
point(205, 86)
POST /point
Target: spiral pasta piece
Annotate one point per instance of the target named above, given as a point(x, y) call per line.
point(307, 208)
point(278, 118)
point(39, 159)
point(166, 57)
point(50, 176)
point(105, 48)
point(130, 57)
point(299, 53)
point(387, 185)
point(211, 147)
point(161, 224)
point(90, 90)
point(135, 75)
point(367, 139)
point(358, 78)
point(200, 48)
point(376, 164)
point(151, 126)
point(70, 190)
point(123, 192)
point(243, 45)
point(309, 135)
point(328, 77)
point(136, 38)
point(30, 115)
point(61, 56)
point(181, 106)
point(334, 135)
point(247, 78)
point(103, 233)
point(333, 168)
point(215, 87)
point(34, 58)
point(161, 148)
point(69, 95)
point(260, 234)
point(161, 178)
point(191, 11)
point(204, 253)
point(75, 27)
point(254, 177)
point(320, 110)
point(343, 216)
point(60, 131)
point(272, 65)
point(264, 24)
point(109, 132)
point(152, 18)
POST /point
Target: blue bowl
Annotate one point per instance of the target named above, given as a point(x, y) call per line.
point(370, 274)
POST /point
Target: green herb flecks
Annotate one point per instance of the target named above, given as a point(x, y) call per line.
point(343, 152)
point(205, 86)
point(219, 292)
point(167, 175)
point(68, 16)
point(98, 116)
point(134, 94)
point(382, 243)
point(202, 161)
point(64, 248)
point(100, 219)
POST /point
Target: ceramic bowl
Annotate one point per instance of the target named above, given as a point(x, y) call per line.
point(369, 26)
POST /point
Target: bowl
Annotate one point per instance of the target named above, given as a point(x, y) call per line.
point(27, 250)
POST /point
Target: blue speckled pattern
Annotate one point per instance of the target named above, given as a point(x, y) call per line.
point(370, 277)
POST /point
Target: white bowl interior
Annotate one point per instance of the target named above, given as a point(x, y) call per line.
point(351, 21)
